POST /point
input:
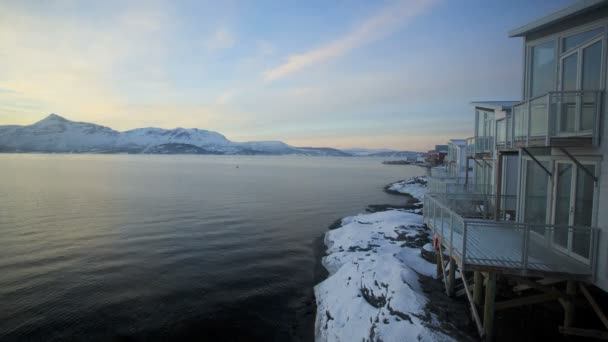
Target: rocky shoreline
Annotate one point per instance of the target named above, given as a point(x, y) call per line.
point(374, 285)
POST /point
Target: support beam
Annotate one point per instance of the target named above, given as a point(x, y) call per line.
point(439, 264)
point(451, 277)
point(443, 268)
point(536, 161)
point(477, 287)
point(578, 164)
point(602, 335)
point(534, 299)
point(544, 281)
point(488, 307)
point(569, 307)
point(538, 286)
point(594, 305)
point(474, 312)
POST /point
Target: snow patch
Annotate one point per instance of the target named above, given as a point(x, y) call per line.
point(372, 292)
point(415, 187)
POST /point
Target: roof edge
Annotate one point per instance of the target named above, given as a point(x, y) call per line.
point(579, 7)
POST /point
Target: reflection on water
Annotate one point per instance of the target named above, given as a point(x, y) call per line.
point(156, 247)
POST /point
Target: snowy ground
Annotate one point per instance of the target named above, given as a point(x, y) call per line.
point(373, 291)
point(416, 187)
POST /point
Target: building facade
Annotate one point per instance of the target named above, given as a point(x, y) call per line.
point(540, 167)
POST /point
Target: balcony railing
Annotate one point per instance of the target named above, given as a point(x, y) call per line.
point(456, 185)
point(504, 133)
point(441, 172)
point(484, 144)
point(480, 144)
point(463, 226)
point(471, 147)
point(558, 117)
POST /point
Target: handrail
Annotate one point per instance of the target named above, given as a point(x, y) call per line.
point(555, 92)
point(453, 231)
point(535, 123)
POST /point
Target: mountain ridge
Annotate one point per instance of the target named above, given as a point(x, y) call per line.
point(56, 134)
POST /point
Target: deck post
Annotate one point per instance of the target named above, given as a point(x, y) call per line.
point(569, 305)
point(488, 308)
point(439, 264)
point(477, 287)
point(451, 277)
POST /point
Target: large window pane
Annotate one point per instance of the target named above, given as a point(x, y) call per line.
point(583, 210)
point(542, 72)
point(568, 107)
point(562, 203)
point(536, 194)
point(592, 64)
point(575, 40)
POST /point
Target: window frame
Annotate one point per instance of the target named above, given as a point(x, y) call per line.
point(558, 37)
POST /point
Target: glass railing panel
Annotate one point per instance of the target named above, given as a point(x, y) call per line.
point(520, 120)
point(501, 131)
point(566, 114)
point(588, 112)
point(538, 117)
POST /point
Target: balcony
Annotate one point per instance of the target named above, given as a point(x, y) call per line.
point(467, 227)
point(480, 145)
point(456, 185)
point(504, 133)
point(558, 118)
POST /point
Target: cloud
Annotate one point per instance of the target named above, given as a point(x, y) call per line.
point(387, 20)
point(224, 98)
point(221, 39)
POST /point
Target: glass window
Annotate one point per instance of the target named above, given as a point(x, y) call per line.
point(536, 194)
point(481, 117)
point(579, 39)
point(569, 72)
point(562, 203)
point(583, 211)
point(592, 64)
point(542, 72)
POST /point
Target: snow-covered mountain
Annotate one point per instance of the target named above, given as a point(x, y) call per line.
point(57, 134)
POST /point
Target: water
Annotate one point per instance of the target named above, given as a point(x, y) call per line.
point(124, 247)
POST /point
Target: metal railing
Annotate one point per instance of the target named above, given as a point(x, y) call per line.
point(519, 247)
point(471, 147)
point(456, 185)
point(441, 172)
point(484, 144)
point(504, 133)
point(556, 114)
point(480, 144)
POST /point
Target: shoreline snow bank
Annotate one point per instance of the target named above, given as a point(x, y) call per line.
point(373, 291)
point(415, 187)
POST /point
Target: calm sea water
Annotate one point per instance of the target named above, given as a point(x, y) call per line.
point(123, 247)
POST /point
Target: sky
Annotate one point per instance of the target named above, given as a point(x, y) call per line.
point(372, 74)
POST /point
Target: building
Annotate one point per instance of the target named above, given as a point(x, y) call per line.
point(456, 158)
point(436, 157)
point(540, 175)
